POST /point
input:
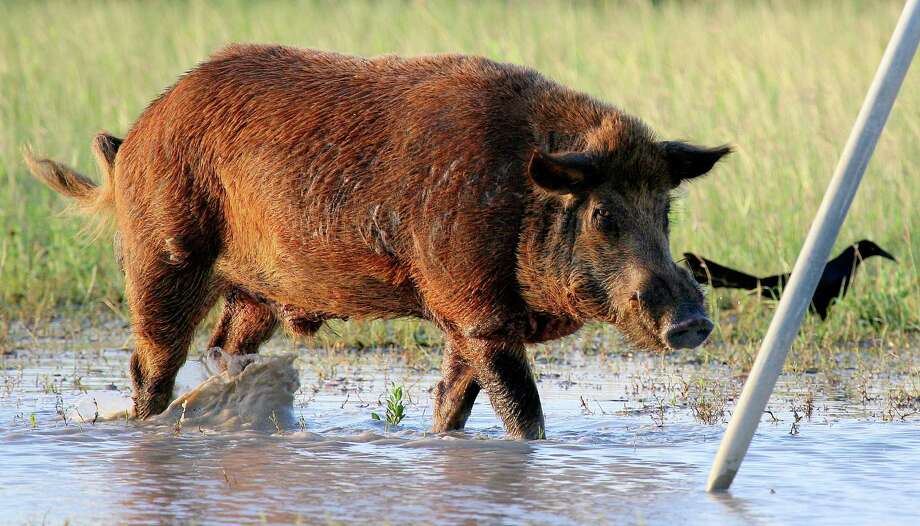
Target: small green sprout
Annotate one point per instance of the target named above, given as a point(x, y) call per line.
point(396, 410)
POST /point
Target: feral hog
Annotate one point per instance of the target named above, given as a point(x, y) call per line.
point(303, 186)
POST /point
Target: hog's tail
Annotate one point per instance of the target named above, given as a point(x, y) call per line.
point(90, 196)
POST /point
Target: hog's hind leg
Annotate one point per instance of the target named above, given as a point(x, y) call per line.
point(244, 325)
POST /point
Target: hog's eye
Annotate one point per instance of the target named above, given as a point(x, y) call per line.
point(604, 221)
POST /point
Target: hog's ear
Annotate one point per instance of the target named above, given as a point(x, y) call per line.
point(563, 173)
point(686, 161)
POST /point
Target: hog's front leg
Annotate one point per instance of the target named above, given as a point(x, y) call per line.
point(503, 371)
point(456, 392)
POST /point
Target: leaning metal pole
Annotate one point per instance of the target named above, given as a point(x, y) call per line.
point(810, 263)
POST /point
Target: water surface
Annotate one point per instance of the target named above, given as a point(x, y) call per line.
point(613, 455)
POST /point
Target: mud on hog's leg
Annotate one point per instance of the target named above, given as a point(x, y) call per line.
point(503, 371)
point(455, 393)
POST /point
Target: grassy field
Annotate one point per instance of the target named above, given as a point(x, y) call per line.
point(782, 81)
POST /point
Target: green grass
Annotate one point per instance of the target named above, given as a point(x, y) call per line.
point(782, 81)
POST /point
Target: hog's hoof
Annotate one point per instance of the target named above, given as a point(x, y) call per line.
point(215, 361)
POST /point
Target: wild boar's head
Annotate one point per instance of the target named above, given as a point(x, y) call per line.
point(595, 245)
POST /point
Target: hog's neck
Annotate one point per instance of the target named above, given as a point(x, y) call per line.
point(541, 272)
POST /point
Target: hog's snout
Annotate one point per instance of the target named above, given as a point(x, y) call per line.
point(689, 329)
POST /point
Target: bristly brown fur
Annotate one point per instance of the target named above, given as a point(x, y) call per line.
point(306, 185)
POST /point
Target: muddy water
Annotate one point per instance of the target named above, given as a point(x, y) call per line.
point(624, 446)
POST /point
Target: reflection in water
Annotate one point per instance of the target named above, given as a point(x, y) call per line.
point(280, 479)
point(736, 507)
point(596, 468)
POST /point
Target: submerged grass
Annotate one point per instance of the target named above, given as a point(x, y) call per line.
point(781, 81)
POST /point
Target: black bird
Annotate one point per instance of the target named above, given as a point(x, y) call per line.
point(838, 273)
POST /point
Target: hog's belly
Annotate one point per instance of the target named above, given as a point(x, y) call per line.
point(332, 285)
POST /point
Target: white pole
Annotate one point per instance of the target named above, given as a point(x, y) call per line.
point(810, 263)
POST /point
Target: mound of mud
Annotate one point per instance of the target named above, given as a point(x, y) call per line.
point(260, 397)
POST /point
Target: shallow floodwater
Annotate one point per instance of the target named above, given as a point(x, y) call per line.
point(616, 451)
